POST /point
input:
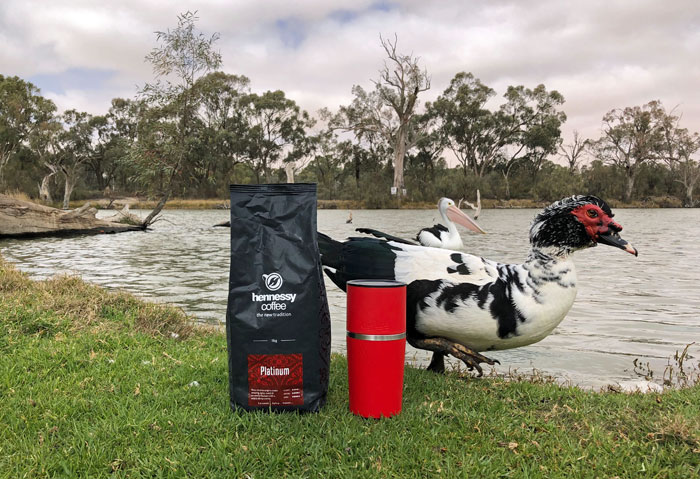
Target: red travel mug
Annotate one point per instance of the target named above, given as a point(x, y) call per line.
point(376, 344)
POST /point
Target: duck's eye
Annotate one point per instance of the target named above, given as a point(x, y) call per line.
point(592, 213)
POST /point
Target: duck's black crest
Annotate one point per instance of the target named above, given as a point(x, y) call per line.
point(555, 226)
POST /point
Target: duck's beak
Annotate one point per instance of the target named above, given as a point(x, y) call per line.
point(461, 218)
point(612, 238)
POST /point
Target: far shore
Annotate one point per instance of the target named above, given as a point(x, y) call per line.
point(487, 203)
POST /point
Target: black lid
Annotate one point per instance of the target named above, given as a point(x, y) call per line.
point(376, 283)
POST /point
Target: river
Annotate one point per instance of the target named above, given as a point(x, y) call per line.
point(627, 308)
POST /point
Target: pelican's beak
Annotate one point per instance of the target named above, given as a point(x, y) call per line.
point(459, 217)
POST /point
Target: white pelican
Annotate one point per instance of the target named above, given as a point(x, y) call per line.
point(439, 236)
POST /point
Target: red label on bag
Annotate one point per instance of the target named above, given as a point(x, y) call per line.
point(275, 380)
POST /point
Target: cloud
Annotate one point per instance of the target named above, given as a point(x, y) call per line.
point(600, 54)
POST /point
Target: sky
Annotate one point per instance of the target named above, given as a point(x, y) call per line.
point(600, 54)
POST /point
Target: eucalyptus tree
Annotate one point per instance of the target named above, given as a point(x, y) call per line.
point(99, 162)
point(275, 130)
point(327, 161)
point(531, 123)
point(22, 111)
point(166, 140)
point(574, 152)
point(122, 126)
point(44, 143)
point(631, 137)
point(222, 100)
point(390, 108)
point(472, 132)
point(400, 82)
point(75, 149)
point(426, 157)
point(678, 150)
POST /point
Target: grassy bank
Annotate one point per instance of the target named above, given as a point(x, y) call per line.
point(99, 384)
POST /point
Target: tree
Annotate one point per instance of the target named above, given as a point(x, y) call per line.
point(530, 125)
point(221, 97)
point(472, 132)
point(574, 151)
point(678, 147)
point(75, 143)
point(275, 130)
point(526, 127)
point(22, 110)
point(182, 57)
point(44, 142)
point(400, 82)
point(327, 162)
point(390, 108)
point(121, 131)
point(631, 137)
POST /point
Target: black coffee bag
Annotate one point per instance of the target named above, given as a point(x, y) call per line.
point(277, 320)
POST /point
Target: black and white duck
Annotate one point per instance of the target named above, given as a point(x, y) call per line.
point(461, 305)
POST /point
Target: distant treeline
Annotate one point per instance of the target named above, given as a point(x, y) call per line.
point(195, 129)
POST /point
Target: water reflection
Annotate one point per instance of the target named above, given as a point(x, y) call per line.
point(627, 307)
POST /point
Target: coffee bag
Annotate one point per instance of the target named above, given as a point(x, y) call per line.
point(277, 320)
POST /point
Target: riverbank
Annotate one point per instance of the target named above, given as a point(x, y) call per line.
point(486, 203)
point(101, 384)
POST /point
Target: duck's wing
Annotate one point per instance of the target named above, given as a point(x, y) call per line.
point(370, 258)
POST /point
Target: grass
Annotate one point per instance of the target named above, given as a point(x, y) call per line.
point(100, 384)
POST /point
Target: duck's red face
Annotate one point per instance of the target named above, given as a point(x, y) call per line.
point(601, 228)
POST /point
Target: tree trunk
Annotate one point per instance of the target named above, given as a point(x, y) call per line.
point(19, 218)
point(289, 169)
point(156, 211)
point(629, 187)
point(689, 195)
point(4, 159)
point(67, 190)
point(44, 191)
point(399, 155)
point(505, 176)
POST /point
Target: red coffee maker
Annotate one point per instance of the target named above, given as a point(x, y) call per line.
point(376, 346)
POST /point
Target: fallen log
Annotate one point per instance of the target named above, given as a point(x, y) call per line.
point(19, 218)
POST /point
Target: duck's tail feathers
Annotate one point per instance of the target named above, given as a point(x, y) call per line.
point(357, 258)
point(331, 254)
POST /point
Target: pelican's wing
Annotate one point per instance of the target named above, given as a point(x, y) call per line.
point(381, 234)
point(431, 236)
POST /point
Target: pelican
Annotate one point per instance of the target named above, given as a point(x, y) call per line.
point(437, 236)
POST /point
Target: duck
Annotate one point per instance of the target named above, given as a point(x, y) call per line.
point(463, 305)
point(437, 236)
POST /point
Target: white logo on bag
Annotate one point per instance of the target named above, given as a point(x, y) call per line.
point(273, 281)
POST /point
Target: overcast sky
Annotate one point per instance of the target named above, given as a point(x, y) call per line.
point(600, 54)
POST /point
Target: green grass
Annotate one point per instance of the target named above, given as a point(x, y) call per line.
point(94, 384)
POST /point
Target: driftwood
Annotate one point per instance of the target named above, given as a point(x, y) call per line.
point(477, 208)
point(23, 218)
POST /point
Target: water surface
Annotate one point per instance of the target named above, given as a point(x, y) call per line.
point(646, 307)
